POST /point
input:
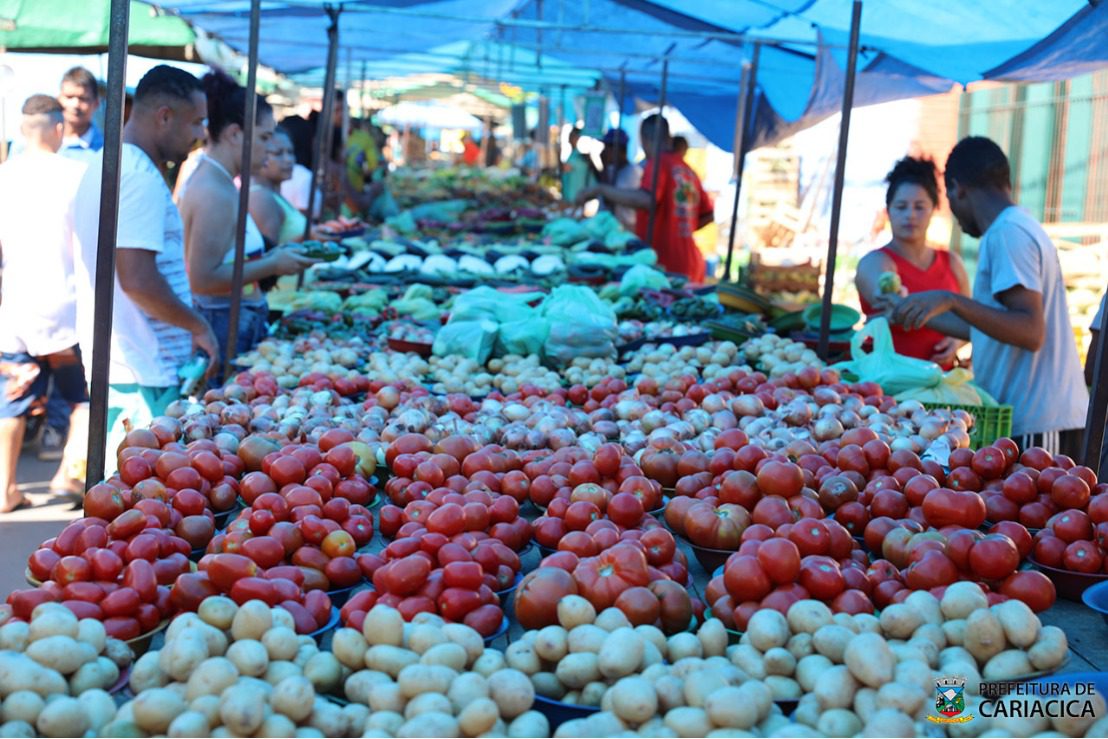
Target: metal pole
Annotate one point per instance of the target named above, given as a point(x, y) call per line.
point(742, 143)
point(840, 174)
point(318, 158)
point(1098, 402)
point(118, 24)
point(657, 155)
point(619, 122)
point(361, 97)
point(561, 130)
point(249, 115)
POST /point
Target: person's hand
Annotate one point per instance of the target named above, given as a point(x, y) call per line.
point(289, 260)
point(946, 351)
point(916, 310)
point(586, 194)
point(20, 376)
point(884, 303)
point(203, 338)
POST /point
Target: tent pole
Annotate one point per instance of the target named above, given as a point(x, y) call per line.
point(361, 97)
point(840, 173)
point(249, 117)
point(656, 155)
point(104, 289)
point(619, 119)
point(561, 131)
point(742, 143)
point(1098, 402)
point(318, 159)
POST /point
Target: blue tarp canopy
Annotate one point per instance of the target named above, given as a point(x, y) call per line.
point(909, 47)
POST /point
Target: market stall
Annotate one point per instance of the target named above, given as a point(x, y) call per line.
point(490, 475)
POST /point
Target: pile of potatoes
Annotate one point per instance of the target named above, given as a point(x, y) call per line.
point(641, 681)
point(663, 361)
point(589, 371)
point(55, 672)
point(432, 678)
point(231, 670)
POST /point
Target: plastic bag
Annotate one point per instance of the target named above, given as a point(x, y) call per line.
point(440, 210)
point(403, 223)
point(485, 303)
point(419, 309)
point(384, 206)
point(639, 278)
point(470, 339)
point(522, 338)
point(581, 325)
point(418, 290)
point(564, 231)
point(894, 372)
point(955, 387)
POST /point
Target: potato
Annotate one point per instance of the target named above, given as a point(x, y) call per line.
point(870, 660)
point(467, 638)
point(276, 725)
point(386, 697)
point(62, 653)
point(768, 628)
point(421, 637)
point(634, 699)
point(914, 673)
point(593, 694)
point(839, 722)
point(383, 626)
point(900, 621)
point(810, 669)
point(249, 656)
point(328, 719)
point(1009, 664)
point(962, 598)
point(621, 653)
point(419, 678)
point(713, 637)
point(119, 652)
point(688, 721)
point(189, 723)
point(867, 623)
point(388, 658)
point(808, 616)
point(729, 707)
point(208, 705)
point(156, 708)
point(846, 621)
point(324, 671)
point(783, 688)
point(529, 725)
point(521, 656)
point(984, 636)
point(180, 657)
point(427, 703)
point(450, 655)
point(218, 611)
point(22, 705)
point(926, 605)
point(281, 617)
point(831, 641)
point(63, 716)
point(835, 688)
point(1021, 625)
point(489, 662)
point(800, 645)
point(1080, 725)
point(888, 722)
point(429, 725)
point(478, 717)
point(586, 638)
point(550, 643)
point(573, 610)
point(512, 692)
point(1050, 649)
point(386, 721)
point(907, 699)
point(779, 661)
point(683, 645)
point(293, 697)
point(466, 688)
point(242, 707)
point(281, 644)
point(14, 636)
point(251, 621)
point(611, 619)
point(955, 632)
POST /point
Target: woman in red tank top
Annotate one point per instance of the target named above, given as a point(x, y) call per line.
point(911, 199)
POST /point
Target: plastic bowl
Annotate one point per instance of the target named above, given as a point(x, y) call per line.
point(121, 683)
point(341, 595)
point(659, 512)
point(327, 628)
point(141, 643)
point(843, 317)
point(505, 595)
point(557, 713)
point(224, 517)
point(1096, 597)
point(1070, 585)
point(710, 559)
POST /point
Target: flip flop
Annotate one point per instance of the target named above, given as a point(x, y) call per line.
point(21, 505)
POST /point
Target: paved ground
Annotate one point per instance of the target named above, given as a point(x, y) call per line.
point(21, 532)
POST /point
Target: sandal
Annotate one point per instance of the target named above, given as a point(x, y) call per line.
point(21, 505)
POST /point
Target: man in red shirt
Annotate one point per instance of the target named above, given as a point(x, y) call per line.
point(681, 205)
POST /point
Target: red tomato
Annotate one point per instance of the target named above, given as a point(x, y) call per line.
point(486, 620)
point(745, 579)
point(989, 463)
point(852, 601)
point(1032, 587)
point(994, 557)
point(943, 507)
point(602, 578)
point(821, 577)
point(1070, 526)
point(780, 560)
point(781, 478)
point(625, 509)
point(1070, 491)
point(537, 597)
point(463, 575)
point(1018, 533)
point(1083, 556)
point(810, 537)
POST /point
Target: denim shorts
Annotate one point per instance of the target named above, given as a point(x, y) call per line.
point(253, 325)
point(69, 379)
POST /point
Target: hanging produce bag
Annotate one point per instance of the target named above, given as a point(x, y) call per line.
point(894, 372)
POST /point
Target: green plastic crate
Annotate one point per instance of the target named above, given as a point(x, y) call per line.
point(989, 423)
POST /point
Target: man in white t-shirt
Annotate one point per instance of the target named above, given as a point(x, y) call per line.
point(38, 333)
point(1024, 354)
point(154, 326)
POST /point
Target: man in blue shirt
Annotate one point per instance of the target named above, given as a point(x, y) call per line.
point(80, 98)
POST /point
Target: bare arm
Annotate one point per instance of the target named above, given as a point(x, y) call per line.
point(140, 279)
point(869, 270)
point(1019, 322)
point(639, 199)
point(267, 213)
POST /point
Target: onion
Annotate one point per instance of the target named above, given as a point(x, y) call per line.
point(900, 443)
point(747, 405)
point(827, 428)
point(797, 413)
point(826, 396)
point(724, 420)
point(516, 412)
point(932, 429)
point(850, 419)
point(652, 420)
point(698, 419)
point(713, 403)
point(559, 438)
point(631, 409)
